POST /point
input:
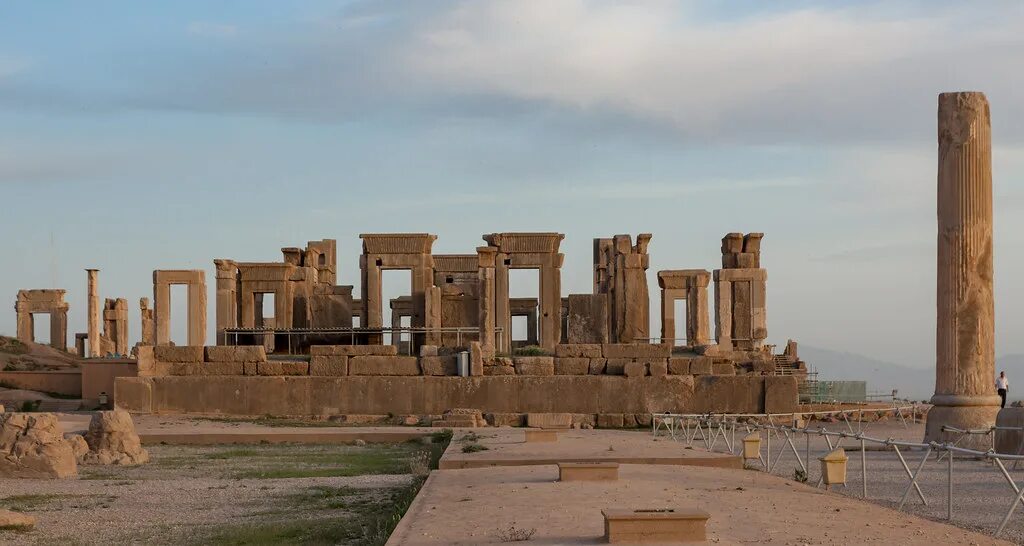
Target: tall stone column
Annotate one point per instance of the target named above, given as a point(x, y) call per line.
point(95, 349)
point(965, 348)
point(485, 318)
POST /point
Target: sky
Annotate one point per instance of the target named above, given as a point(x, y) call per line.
point(137, 136)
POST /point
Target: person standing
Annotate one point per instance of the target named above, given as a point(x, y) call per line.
point(1002, 385)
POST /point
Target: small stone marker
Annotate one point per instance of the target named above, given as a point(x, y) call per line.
point(588, 472)
point(671, 525)
point(541, 435)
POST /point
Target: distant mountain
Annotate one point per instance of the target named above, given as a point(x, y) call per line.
point(882, 376)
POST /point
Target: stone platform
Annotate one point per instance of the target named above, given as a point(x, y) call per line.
point(507, 447)
point(475, 506)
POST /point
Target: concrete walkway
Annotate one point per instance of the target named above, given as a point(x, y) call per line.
point(478, 506)
point(507, 447)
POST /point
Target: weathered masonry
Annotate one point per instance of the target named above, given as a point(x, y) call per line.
point(43, 301)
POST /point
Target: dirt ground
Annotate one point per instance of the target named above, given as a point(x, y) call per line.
point(279, 493)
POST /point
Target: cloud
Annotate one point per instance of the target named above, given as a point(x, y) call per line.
point(661, 70)
point(797, 75)
point(211, 30)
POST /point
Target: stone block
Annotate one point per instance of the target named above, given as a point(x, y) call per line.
point(609, 420)
point(578, 350)
point(353, 350)
point(616, 366)
point(236, 353)
point(588, 472)
point(1010, 441)
point(504, 419)
point(549, 420)
point(572, 366)
point(499, 370)
point(629, 420)
point(634, 368)
point(428, 350)
point(249, 368)
point(723, 367)
point(657, 367)
point(587, 319)
point(134, 394)
point(476, 359)
point(534, 365)
point(661, 525)
point(780, 394)
point(328, 366)
point(597, 366)
point(643, 419)
point(636, 350)
point(702, 365)
point(439, 365)
point(383, 365)
point(185, 353)
point(584, 420)
point(679, 365)
point(206, 368)
point(282, 367)
point(746, 260)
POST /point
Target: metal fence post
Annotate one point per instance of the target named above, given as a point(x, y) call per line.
point(863, 469)
point(768, 437)
point(949, 492)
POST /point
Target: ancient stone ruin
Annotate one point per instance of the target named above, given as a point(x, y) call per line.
point(965, 328)
point(48, 301)
point(32, 446)
point(592, 356)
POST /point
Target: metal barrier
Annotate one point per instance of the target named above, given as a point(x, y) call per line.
point(711, 429)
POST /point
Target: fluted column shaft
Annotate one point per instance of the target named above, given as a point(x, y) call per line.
point(964, 345)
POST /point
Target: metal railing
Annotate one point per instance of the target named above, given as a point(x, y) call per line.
point(712, 429)
point(394, 331)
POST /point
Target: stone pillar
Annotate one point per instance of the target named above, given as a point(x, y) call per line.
point(373, 316)
point(697, 325)
point(723, 312)
point(59, 329)
point(148, 324)
point(965, 348)
point(485, 272)
point(197, 311)
point(95, 350)
point(502, 308)
point(432, 315)
point(550, 312)
point(227, 297)
point(26, 325)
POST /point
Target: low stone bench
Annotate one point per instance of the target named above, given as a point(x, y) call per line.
point(588, 472)
point(672, 525)
point(541, 435)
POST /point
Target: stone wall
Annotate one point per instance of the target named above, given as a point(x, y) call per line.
point(591, 379)
point(424, 396)
point(68, 382)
